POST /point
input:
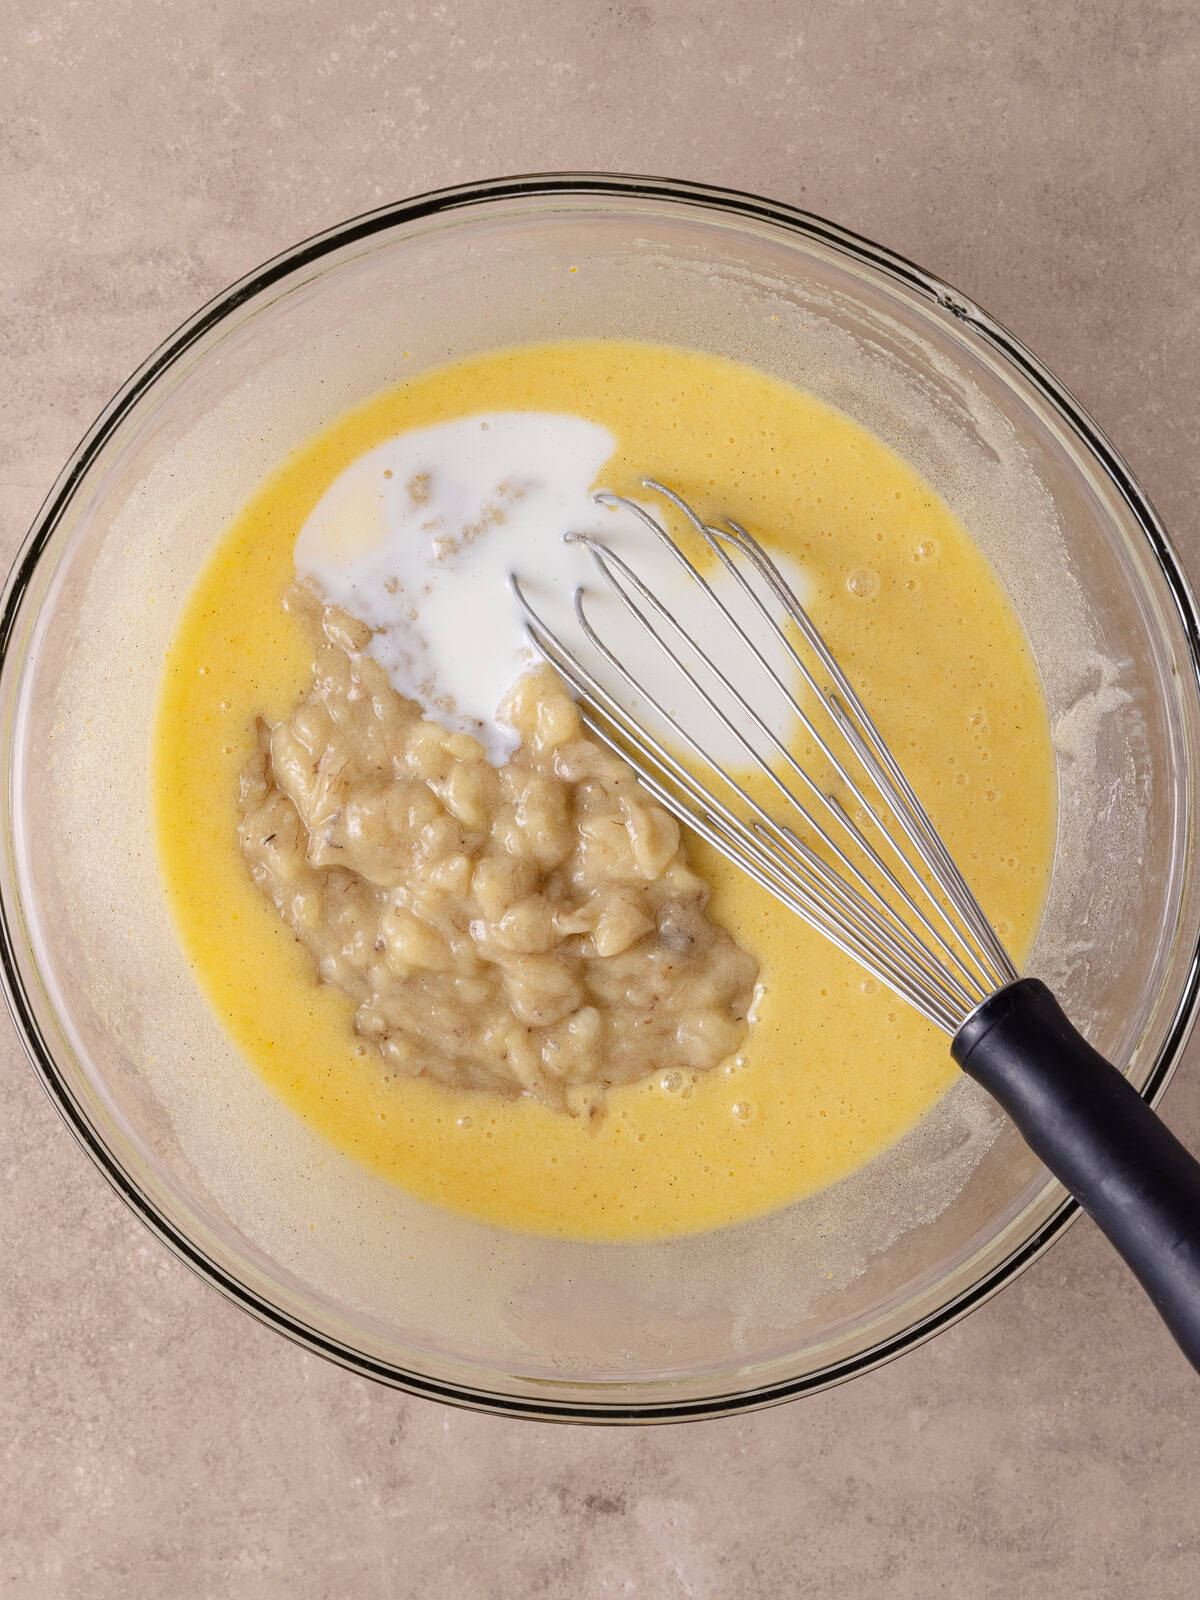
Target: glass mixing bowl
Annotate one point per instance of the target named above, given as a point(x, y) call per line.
point(186, 1133)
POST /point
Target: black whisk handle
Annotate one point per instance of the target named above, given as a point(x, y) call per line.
point(1097, 1136)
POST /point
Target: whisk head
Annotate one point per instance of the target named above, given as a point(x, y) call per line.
point(713, 683)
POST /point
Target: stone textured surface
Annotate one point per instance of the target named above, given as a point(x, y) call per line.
point(1046, 160)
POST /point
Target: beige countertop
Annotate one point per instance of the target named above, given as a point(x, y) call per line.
point(1045, 158)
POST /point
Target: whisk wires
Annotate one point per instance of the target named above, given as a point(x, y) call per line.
point(864, 866)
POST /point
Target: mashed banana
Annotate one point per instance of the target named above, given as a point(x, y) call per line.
point(532, 929)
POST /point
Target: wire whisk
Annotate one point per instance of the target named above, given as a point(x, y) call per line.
point(714, 684)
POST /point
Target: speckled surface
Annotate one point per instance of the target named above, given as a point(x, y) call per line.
point(1045, 159)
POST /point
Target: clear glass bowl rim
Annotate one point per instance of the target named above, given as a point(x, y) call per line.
point(557, 188)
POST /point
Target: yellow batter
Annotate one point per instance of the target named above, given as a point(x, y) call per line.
point(836, 1069)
